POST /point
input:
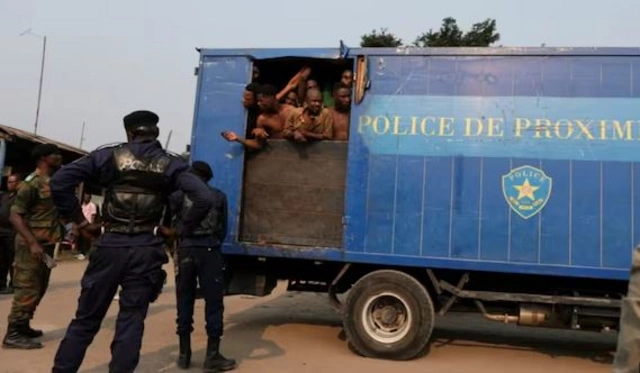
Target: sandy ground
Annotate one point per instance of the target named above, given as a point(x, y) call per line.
point(299, 332)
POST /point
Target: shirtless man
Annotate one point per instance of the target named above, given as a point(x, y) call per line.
point(341, 111)
point(270, 123)
point(311, 122)
point(346, 79)
point(250, 102)
point(272, 114)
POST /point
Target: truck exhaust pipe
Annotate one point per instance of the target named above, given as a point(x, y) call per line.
point(529, 315)
point(506, 318)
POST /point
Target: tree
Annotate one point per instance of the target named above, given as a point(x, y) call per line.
point(482, 34)
point(380, 39)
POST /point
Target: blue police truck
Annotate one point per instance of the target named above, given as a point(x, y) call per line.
point(496, 180)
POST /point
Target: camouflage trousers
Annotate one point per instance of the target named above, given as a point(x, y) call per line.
point(30, 282)
point(627, 358)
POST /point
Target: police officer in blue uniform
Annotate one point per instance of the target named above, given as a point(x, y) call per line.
point(138, 177)
point(200, 259)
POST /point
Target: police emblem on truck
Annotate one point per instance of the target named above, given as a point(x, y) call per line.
point(527, 190)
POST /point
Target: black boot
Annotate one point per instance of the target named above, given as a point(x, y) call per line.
point(31, 333)
point(16, 339)
point(215, 362)
point(184, 359)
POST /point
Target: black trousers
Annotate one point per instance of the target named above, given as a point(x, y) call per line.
point(138, 270)
point(84, 244)
point(7, 254)
point(203, 265)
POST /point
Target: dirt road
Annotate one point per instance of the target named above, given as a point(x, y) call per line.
point(297, 333)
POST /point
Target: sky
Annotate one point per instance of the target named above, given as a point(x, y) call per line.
point(105, 59)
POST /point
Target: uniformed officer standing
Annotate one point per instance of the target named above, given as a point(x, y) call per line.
point(138, 177)
point(200, 260)
point(627, 358)
point(36, 220)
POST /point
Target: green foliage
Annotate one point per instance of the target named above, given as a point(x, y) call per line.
point(380, 39)
point(481, 34)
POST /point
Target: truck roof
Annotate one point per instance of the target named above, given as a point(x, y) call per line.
point(263, 53)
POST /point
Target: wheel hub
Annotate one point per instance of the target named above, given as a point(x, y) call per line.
point(387, 318)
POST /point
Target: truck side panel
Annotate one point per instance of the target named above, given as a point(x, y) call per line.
point(221, 82)
point(435, 148)
point(441, 143)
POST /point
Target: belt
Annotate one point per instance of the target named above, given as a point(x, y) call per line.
point(130, 230)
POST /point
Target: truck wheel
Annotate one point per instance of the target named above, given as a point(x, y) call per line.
point(389, 315)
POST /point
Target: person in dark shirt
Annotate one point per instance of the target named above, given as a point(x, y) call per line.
point(200, 259)
point(7, 235)
point(138, 177)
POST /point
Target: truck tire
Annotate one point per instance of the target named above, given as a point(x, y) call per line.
point(389, 315)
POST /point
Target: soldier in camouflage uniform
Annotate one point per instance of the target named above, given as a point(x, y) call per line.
point(35, 218)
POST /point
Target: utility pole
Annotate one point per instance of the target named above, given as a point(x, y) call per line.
point(82, 135)
point(166, 146)
point(44, 52)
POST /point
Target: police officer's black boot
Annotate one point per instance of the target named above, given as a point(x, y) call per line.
point(214, 361)
point(184, 359)
point(27, 331)
point(16, 339)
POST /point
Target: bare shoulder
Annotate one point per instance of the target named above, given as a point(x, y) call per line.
point(262, 118)
point(287, 110)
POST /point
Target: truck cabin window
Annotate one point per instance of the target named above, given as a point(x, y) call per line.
point(297, 137)
point(300, 100)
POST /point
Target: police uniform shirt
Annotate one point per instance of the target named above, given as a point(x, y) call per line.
point(98, 167)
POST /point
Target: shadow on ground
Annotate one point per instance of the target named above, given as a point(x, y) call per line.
point(108, 322)
point(477, 332)
point(245, 335)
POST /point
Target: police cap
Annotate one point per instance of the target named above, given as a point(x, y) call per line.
point(43, 150)
point(202, 169)
point(141, 118)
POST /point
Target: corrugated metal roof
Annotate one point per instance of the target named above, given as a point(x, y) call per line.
point(7, 132)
